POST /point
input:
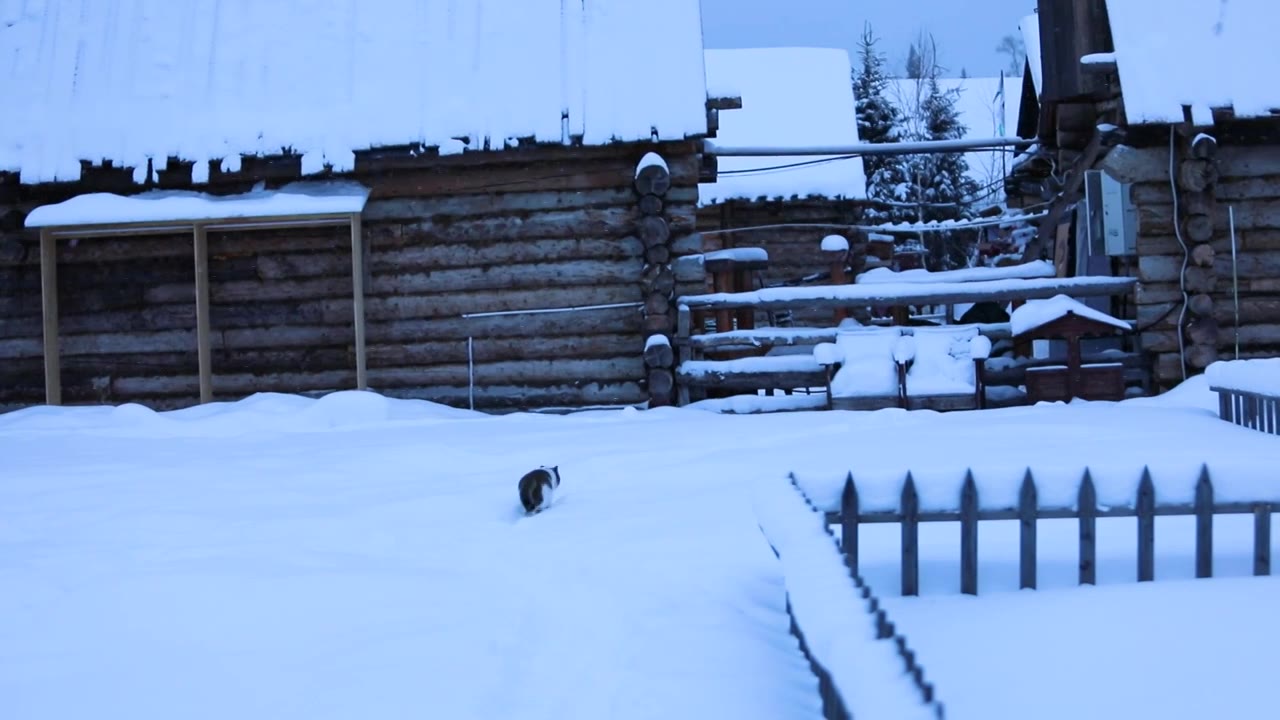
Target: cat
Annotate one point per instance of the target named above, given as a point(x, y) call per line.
point(536, 487)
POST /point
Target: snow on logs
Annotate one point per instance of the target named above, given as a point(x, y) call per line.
point(658, 283)
point(1197, 178)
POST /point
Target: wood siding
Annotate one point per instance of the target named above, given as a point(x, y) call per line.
point(1249, 183)
point(526, 230)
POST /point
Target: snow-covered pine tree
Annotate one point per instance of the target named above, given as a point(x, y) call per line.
point(878, 122)
point(949, 184)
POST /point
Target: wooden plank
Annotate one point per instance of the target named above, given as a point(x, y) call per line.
point(1027, 532)
point(849, 524)
point(910, 539)
point(49, 313)
point(1146, 528)
point(204, 348)
point(357, 292)
point(969, 536)
point(1204, 524)
point(1087, 507)
point(1262, 539)
point(833, 296)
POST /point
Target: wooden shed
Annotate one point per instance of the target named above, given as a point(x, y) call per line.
point(1159, 153)
point(508, 254)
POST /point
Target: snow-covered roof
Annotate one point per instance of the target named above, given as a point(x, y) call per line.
point(1038, 313)
point(978, 104)
point(202, 80)
point(1029, 27)
point(185, 206)
point(791, 97)
point(1201, 53)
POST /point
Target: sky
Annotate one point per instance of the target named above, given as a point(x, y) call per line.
point(966, 31)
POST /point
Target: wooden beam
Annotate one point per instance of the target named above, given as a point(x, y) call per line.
point(49, 311)
point(204, 349)
point(1071, 193)
point(164, 227)
point(357, 291)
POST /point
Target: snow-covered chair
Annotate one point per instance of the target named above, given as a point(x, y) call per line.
point(861, 367)
point(945, 368)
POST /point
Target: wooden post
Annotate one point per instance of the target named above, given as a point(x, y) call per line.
point(969, 536)
point(1088, 512)
point(1146, 528)
point(1027, 521)
point(849, 524)
point(1204, 524)
point(49, 313)
point(357, 291)
point(1262, 539)
point(200, 249)
point(910, 539)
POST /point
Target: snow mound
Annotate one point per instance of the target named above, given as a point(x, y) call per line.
point(838, 626)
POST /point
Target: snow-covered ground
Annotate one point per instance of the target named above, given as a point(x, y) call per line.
point(358, 556)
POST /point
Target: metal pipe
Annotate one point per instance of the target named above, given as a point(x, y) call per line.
point(863, 149)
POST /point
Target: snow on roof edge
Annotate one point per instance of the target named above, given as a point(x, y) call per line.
point(183, 206)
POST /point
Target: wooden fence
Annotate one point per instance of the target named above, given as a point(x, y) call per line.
point(1028, 511)
point(834, 705)
point(1250, 409)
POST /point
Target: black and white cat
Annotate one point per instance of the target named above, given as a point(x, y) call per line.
point(536, 488)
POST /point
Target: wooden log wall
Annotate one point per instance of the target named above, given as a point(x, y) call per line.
point(794, 253)
point(476, 234)
point(1211, 180)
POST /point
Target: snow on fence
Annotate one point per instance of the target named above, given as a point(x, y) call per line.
point(863, 665)
point(1028, 511)
point(1248, 392)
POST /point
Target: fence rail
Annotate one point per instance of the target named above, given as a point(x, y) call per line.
point(1028, 512)
point(1249, 409)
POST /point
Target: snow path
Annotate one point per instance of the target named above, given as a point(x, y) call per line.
point(382, 572)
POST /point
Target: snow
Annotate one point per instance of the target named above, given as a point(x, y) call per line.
point(1029, 28)
point(867, 362)
point(1260, 376)
point(876, 292)
point(1036, 313)
point(750, 404)
point(651, 159)
point(942, 363)
point(836, 620)
point(791, 97)
point(1098, 58)
point(742, 254)
point(1072, 653)
point(205, 81)
point(184, 206)
point(768, 363)
point(980, 347)
point(361, 556)
point(1202, 54)
point(656, 340)
point(835, 243)
point(1033, 269)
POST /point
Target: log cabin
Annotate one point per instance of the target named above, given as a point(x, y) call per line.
point(783, 98)
point(1158, 157)
point(522, 194)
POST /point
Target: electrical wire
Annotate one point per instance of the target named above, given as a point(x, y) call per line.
point(1186, 257)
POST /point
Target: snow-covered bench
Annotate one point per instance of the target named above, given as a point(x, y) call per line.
point(936, 368)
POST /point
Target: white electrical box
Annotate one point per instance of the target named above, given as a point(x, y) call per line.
point(1113, 213)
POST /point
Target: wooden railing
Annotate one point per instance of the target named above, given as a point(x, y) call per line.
point(1249, 409)
point(1028, 511)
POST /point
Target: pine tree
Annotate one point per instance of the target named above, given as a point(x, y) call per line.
point(878, 120)
point(948, 181)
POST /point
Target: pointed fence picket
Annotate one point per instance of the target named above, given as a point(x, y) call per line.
point(1028, 512)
